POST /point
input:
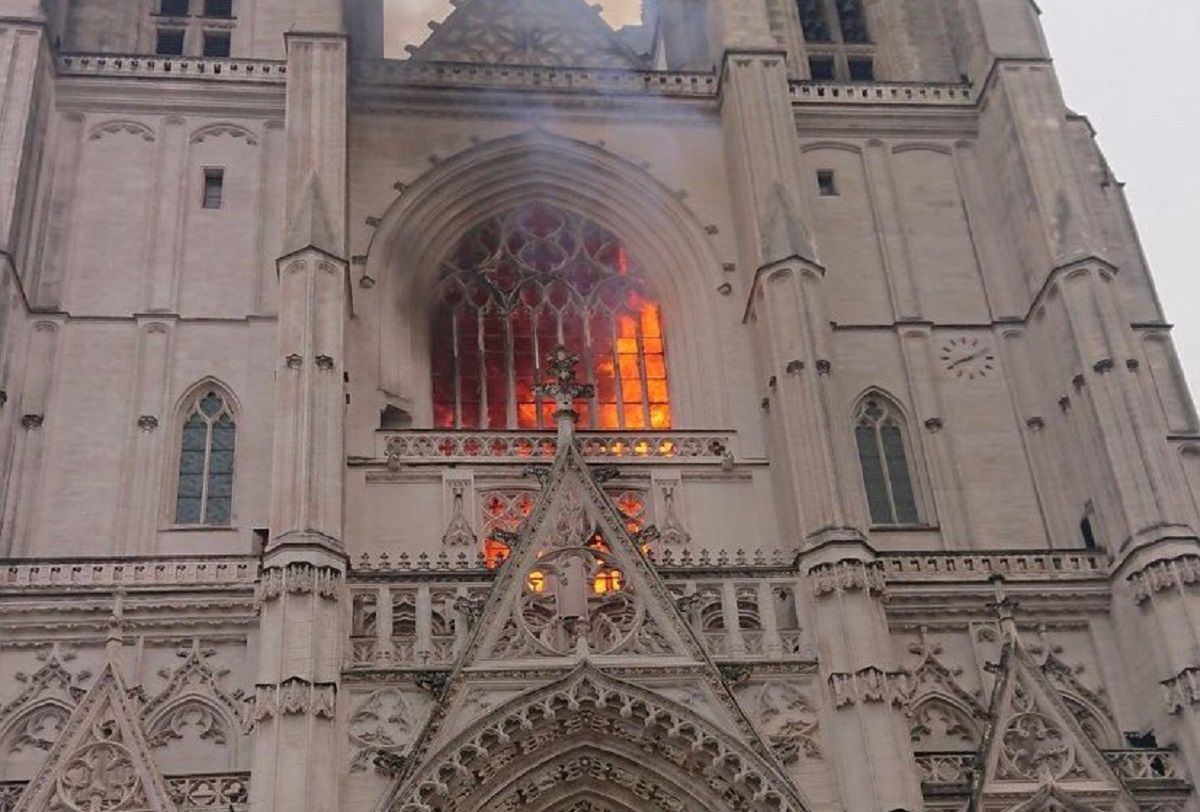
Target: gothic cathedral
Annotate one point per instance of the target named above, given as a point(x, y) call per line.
point(763, 407)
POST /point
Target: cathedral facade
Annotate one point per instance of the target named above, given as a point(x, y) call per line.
point(764, 407)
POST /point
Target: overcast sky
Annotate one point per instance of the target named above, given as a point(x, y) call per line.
point(1131, 67)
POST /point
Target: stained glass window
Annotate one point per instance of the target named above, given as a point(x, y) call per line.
point(204, 494)
point(520, 284)
point(883, 455)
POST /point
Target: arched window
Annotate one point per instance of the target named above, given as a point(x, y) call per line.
point(883, 455)
point(204, 489)
point(519, 284)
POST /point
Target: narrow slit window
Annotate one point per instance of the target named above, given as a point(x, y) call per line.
point(884, 459)
point(1088, 534)
point(827, 183)
point(862, 69)
point(218, 8)
point(214, 188)
point(216, 43)
point(821, 68)
point(204, 492)
point(173, 8)
point(169, 42)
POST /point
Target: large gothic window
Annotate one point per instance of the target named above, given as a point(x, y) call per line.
point(204, 489)
point(519, 284)
point(883, 455)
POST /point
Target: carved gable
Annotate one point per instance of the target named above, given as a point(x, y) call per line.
point(101, 760)
point(549, 33)
point(1036, 748)
point(577, 584)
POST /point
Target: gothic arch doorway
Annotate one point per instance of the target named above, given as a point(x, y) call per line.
point(590, 742)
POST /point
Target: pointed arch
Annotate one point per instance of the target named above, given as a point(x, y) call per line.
point(203, 455)
point(611, 736)
point(422, 226)
point(883, 439)
point(207, 719)
point(33, 728)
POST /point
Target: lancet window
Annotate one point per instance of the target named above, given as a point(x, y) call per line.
point(523, 282)
point(884, 458)
point(204, 488)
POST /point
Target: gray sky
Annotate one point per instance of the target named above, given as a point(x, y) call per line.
point(1129, 67)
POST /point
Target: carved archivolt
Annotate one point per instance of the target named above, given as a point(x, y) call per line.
point(597, 731)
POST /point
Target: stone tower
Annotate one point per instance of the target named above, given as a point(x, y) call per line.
point(763, 407)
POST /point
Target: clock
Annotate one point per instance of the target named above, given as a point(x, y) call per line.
point(968, 357)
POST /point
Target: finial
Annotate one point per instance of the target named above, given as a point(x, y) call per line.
point(1004, 607)
point(562, 385)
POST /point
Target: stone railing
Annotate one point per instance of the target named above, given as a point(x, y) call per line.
point(223, 791)
point(110, 573)
point(149, 66)
point(1151, 769)
point(518, 77)
point(423, 622)
point(950, 566)
point(413, 447)
point(227, 792)
point(890, 93)
point(946, 772)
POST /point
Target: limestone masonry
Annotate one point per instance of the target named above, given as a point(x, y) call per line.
point(766, 407)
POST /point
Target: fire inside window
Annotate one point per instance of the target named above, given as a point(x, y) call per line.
point(522, 283)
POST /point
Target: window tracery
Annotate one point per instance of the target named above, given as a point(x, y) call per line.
point(204, 487)
point(520, 284)
point(884, 459)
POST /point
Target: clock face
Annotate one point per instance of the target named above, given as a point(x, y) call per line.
point(968, 357)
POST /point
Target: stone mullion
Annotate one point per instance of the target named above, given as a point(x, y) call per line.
point(732, 618)
point(383, 625)
point(772, 644)
point(423, 609)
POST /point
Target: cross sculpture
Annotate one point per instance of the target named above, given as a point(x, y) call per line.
point(561, 385)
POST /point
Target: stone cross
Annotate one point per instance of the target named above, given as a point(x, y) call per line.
point(561, 385)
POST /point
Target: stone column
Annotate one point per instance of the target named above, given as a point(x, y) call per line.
point(869, 731)
point(304, 565)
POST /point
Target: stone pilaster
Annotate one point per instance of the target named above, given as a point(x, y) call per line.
point(786, 300)
point(869, 731)
point(1157, 600)
point(296, 694)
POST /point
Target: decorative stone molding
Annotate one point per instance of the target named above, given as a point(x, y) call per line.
point(69, 573)
point(294, 696)
point(847, 575)
point(324, 362)
point(465, 446)
point(1174, 573)
point(293, 361)
point(527, 731)
point(299, 579)
point(870, 685)
point(383, 725)
point(147, 422)
point(218, 791)
point(459, 533)
point(958, 567)
point(1182, 691)
point(32, 421)
point(173, 68)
